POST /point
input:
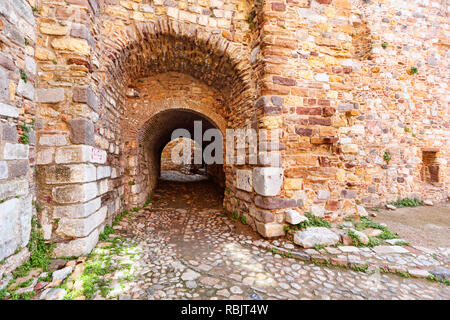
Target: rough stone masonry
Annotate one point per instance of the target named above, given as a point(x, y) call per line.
point(90, 91)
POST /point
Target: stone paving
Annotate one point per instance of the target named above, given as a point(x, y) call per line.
point(184, 247)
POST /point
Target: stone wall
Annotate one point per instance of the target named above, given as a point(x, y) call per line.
point(17, 121)
point(356, 91)
point(402, 113)
point(75, 148)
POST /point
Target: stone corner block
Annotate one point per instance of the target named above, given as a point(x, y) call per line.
point(82, 131)
point(75, 193)
point(71, 173)
point(268, 181)
point(85, 95)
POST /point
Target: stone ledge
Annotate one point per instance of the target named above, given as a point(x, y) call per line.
point(354, 258)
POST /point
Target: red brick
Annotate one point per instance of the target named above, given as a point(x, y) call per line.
point(303, 131)
point(320, 121)
point(283, 81)
point(324, 1)
point(278, 6)
point(309, 111)
point(332, 205)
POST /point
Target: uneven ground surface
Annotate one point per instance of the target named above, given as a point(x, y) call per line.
point(182, 247)
point(425, 226)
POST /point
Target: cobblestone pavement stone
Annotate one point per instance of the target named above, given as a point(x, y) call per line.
point(184, 247)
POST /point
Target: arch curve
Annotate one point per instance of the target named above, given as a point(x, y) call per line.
point(165, 45)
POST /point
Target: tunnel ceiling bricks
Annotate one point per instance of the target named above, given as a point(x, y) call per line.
point(333, 76)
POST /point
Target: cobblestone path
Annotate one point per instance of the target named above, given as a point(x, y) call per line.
point(184, 247)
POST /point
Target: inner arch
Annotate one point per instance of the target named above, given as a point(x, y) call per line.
point(153, 136)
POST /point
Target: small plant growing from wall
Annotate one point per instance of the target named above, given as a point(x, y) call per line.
point(250, 19)
point(23, 75)
point(24, 138)
point(384, 45)
point(407, 129)
point(413, 70)
point(387, 157)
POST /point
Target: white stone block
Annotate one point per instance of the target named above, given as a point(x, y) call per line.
point(317, 210)
point(268, 181)
point(73, 173)
point(8, 111)
point(294, 217)
point(78, 247)
point(323, 194)
point(52, 140)
point(26, 89)
point(75, 193)
point(45, 156)
point(81, 227)
point(103, 186)
point(3, 170)
point(13, 188)
point(103, 172)
point(80, 153)
point(9, 216)
point(77, 211)
point(315, 236)
point(14, 151)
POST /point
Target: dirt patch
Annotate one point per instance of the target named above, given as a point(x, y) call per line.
point(423, 226)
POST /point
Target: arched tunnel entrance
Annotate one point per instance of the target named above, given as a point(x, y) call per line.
point(156, 133)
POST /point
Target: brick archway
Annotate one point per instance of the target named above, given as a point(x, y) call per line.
point(154, 112)
point(142, 70)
